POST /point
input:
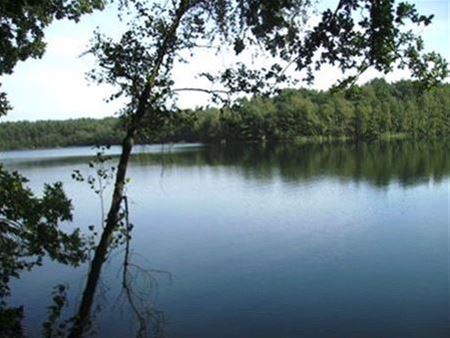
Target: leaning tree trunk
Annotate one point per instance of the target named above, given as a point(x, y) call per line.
point(82, 317)
point(81, 320)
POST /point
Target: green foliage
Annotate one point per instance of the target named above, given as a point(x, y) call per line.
point(375, 110)
point(29, 228)
point(29, 231)
point(23, 22)
point(52, 134)
point(52, 328)
point(29, 225)
point(10, 322)
point(356, 36)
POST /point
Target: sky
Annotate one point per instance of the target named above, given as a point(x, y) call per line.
point(55, 87)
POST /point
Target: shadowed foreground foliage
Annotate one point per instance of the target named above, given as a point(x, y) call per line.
point(29, 231)
point(29, 224)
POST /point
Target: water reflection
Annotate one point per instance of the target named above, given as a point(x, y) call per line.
point(280, 241)
point(379, 163)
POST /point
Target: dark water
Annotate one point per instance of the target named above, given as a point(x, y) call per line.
point(286, 241)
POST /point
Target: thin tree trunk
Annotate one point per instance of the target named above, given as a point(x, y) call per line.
point(81, 320)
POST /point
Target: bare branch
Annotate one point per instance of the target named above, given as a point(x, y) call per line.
point(203, 90)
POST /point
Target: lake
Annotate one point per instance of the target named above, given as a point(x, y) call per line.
point(331, 240)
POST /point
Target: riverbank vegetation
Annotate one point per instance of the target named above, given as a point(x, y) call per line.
point(375, 110)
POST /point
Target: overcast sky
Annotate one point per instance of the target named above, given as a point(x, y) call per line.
point(55, 87)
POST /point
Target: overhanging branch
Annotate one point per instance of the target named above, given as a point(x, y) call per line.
point(203, 90)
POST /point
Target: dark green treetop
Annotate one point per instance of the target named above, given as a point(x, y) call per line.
point(356, 35)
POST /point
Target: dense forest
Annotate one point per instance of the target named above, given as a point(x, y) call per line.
point(50, 134)
point(372, 111)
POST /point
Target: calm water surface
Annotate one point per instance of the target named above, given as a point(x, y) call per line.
point(286, 241)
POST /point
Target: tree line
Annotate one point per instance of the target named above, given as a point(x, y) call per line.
point(55, 134)
point(372, 111)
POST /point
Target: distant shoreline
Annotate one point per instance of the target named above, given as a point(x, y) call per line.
point(296, 141)
point(375, 111)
